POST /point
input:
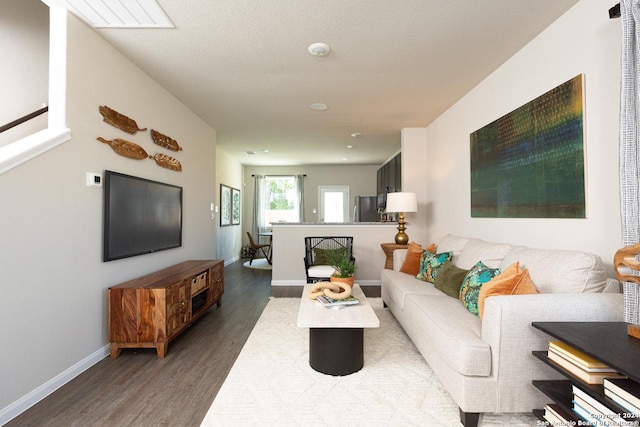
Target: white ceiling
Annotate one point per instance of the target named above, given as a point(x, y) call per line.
point(243, 67)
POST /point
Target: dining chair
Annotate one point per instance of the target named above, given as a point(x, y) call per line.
point(315, 255)
point(255, 247)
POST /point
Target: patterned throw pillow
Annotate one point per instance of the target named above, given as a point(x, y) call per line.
point(470, 289)
point(430, 265)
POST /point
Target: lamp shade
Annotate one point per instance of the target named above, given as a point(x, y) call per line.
point(402, 202)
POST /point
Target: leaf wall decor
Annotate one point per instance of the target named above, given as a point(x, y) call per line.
point(165, 141)
point(167, 162)
point(126, 148)
point(118, 120)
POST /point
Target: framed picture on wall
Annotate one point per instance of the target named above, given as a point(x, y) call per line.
point(225, 205)
point(530, 163)
point(235, 206)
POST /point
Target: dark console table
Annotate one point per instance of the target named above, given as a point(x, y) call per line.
point(605, 341)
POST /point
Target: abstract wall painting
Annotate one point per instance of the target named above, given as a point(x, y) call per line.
point(530, 162)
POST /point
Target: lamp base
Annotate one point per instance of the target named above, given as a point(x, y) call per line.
point(402, 238)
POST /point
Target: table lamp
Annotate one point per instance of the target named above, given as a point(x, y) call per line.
point(402, 202)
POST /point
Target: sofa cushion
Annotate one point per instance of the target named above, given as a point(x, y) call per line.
point(491, 254)
point(560, 271)
point(451, 243)
point(449, 279)
point(453, 331)
point(512, 281)
point(411, 264)
point(399, 285)
point(478, 275)
point(430, 265)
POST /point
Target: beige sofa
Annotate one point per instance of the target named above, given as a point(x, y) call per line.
point(486, 364)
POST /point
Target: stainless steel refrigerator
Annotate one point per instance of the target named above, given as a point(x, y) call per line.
point(365, 209)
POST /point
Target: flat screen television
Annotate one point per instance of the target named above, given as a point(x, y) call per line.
point(141, 216)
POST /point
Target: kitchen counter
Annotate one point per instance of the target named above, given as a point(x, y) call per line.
point(288, 249)
point(336, 223)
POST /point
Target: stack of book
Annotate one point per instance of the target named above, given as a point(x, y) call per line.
point(330, 302)
point(556, 416)
point(625, 393)
point(595, 413)
point(584, 367)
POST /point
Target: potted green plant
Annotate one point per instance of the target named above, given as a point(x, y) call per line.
point(343, 265)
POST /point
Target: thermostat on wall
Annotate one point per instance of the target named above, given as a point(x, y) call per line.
point(94, 180)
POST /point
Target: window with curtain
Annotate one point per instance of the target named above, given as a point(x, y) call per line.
point(278, 198)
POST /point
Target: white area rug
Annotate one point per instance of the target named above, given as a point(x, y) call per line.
point(271, 382)
point(259, 264)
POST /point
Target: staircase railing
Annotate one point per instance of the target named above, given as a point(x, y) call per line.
point(23, 119)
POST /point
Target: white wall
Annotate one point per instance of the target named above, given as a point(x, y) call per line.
point(414, 153)
point(229, 238)
point(584, 40)
point(53, 288)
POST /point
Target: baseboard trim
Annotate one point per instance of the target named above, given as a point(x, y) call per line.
point(27, 401)
point(303, 282)
point(232, 260)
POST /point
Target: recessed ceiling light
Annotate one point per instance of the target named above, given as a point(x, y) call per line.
point(318, 106)
point(120, 14)
point(319, 49)
point(356, 135)
point(265, 150)
point(350, 146)
point(251, 153)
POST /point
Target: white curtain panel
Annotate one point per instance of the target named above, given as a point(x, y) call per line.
point(629, 150)
point(300, 191)
point(259, 197)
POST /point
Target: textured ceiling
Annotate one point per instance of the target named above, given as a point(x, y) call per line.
point(243, 67)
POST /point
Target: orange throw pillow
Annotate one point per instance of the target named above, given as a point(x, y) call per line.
point(411, 264)
point(512, 281)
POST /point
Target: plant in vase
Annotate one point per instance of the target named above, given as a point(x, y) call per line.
point(344, 267)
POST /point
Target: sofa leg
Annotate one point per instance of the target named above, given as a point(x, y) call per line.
point(469, 419)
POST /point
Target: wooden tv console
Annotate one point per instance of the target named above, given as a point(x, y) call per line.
point(149, 311)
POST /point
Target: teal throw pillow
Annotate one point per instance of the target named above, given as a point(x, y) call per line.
point(449, 279)
point(473, 281)
point(430, 265)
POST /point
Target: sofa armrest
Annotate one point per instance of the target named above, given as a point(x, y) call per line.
point(398, 258)
point(506, 327)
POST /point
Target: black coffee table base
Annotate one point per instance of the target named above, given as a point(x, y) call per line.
point(336, 351)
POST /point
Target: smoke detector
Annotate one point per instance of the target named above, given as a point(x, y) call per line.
point(319, 49)
point(319, 106)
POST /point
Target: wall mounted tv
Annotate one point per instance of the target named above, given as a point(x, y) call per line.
point(140, 216)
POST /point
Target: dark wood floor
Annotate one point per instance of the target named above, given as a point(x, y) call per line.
point(138, 389)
